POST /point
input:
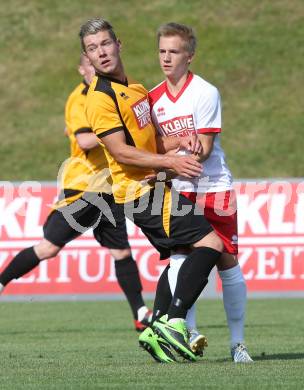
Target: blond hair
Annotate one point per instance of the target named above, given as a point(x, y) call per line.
point(183, 31)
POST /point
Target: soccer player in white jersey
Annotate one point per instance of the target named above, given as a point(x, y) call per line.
point(182, 105)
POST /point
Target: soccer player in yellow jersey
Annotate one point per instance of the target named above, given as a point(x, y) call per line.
point(83, 179)
point(118, 112)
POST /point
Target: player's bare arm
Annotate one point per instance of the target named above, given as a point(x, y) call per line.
point(190, 143)
point(125, 154)
point(207, 141)
point(164, 144)
point(87, 141)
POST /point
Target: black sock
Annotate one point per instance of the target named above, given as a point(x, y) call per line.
point(21, 264)
point(129, 281)
point(163, 296)
point(192, 279)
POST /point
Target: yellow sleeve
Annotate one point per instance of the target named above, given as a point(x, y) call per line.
point(75, 118)
point(102, 114)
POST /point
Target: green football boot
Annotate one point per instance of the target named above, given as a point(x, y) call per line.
point(157, 347)
point(176, 334)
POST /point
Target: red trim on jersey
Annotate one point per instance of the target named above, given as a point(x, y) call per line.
point(209, 130)
point(156, 93)
point(175, 98)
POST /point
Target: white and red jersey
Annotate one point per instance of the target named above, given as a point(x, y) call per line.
point(196, 109)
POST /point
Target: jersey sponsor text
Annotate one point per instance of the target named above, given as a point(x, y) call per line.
point(142, 112)
point(178, 126)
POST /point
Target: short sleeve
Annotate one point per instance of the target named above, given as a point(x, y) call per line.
point(208, 112)
point(101, 114)
point(78, 122)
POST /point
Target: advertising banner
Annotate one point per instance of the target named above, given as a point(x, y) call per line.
point(271, 243)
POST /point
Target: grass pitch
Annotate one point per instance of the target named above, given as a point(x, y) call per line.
point(92, 345)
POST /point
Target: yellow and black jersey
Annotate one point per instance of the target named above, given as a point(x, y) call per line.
point(114, 106)
point(84, 171)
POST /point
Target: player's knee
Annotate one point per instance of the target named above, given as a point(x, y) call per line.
point(227, 261)
point(45, 250)
point(120, 254)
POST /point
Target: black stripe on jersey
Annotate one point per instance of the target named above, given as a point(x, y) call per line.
point(86, 88)
point(111, 131)
point(83, 130)
point(113, 79)
point(104, 85)
point(68, 193)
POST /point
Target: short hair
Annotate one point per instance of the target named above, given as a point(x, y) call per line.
point(183, 31)
point(93, 26)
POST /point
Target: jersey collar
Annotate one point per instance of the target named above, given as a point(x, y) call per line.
point(125, 83)
point(86, 87)
point(187, 82)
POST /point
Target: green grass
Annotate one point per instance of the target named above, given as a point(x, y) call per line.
point(91, 345)
point(251, 49)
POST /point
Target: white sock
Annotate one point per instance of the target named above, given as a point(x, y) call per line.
point(141, 312)
point(191, 318)
point(1, 288)
point(234, 297)
point(176, 262)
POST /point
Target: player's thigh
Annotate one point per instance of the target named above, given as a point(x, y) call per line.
point(170, 222)
point(220, 210)
point(65, 224)
point(112, 233)
point(211, 240)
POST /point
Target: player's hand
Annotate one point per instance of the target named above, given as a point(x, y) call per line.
point(186, 166)
point(163, 175)
point(151, 179)
point(173, 152)
point(191, 143)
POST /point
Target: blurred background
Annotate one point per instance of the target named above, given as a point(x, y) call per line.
point(251, 50)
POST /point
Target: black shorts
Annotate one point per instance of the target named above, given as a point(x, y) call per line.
point(159, 215)
point(93, 210)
